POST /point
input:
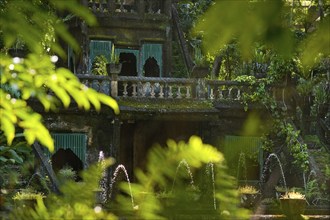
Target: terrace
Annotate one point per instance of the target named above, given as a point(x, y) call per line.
point(157, 89)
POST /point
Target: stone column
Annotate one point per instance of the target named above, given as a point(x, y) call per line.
point(114, 151)
point(167, 8)
point(141, 7)
point(111, 6)
point(200, 88)
point(114, 85)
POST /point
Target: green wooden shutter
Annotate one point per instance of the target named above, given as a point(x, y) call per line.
point(250, 146)
point(152, 50)
point(77, 142)
point(99, 47)
point(72, 56)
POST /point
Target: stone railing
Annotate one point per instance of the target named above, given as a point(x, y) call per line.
point(99, 83)
point(226, 90)
point(155, 87)
point(165, 88)
point(100, 7)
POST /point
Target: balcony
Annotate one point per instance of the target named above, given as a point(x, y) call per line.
point(133, 8)
point(166, 88)
point(191, 91)
point(191, 99)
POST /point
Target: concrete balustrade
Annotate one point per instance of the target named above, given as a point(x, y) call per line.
point(166, 88)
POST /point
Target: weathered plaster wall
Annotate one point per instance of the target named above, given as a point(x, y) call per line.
point(97, 128)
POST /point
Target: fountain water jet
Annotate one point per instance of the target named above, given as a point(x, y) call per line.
point(311, 173)
point(213, 183)
point(103, 184)
point(121, 167)
point(279, 163)
point(184, 162)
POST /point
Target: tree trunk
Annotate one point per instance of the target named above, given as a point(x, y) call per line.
point(216, 67)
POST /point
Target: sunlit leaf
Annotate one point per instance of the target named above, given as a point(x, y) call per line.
point(8, 128)
point(317, 44)
point(107, 100)
point(61, 94)
point(246, 22)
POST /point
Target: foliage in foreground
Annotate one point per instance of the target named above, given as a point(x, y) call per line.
point(163, 179)
point(36, 25)
point(77, 200)
point(36, 77)
point(269, 22)
point(174, 179)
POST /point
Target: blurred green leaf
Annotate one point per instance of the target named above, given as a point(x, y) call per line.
point(247, 23)
point(14, 156)
point(160, 179)
point(3, 159)
point(34, 20)
point(317, 44)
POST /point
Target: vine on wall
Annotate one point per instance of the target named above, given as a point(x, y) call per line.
point(281, 127)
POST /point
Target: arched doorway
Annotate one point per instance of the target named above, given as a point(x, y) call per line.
point(66, 158)
point(128, 61)
point(151, 68)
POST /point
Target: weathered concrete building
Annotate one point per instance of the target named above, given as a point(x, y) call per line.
point(154, 106)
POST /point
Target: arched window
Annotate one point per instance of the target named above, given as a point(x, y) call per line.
point(70, 150)
point(155, 51)
point(151, 67)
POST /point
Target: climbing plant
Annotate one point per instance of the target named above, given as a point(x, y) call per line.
point(282, 128)
point(288, 43)
point(99, 66)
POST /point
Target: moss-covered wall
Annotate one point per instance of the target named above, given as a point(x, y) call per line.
point(130, 135)
point(97, 128)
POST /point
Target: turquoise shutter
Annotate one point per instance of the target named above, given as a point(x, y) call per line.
point(71, 55)
point(77, 142)
point(99, 47)
point(152, 50)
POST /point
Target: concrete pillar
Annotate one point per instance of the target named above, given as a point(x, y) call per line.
point(114, 85)
point(115, 143)
point(141, 7)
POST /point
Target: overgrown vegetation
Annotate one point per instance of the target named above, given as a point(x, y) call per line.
point(222, 201)
point(256, 48)
point(99, 66)
point(36, 76)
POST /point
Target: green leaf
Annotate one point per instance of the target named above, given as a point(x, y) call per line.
point(61, 94)
point(9, 129)
point(246, 22)
point(107, 100)
point(11, 160)
point(92, 97)
point(14, 155)
point(3, 159)
point(316, 44)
